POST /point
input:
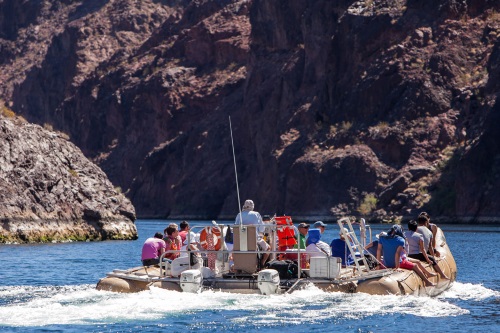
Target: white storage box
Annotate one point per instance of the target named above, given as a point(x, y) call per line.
point(325, 267)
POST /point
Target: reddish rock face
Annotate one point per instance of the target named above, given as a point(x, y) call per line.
point(381, 109)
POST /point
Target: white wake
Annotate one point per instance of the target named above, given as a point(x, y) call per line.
point(79, 305)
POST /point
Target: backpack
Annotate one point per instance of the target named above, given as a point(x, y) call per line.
point(371, 261)
point(287, 269)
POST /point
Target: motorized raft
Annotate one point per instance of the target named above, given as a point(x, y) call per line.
point(218, 267)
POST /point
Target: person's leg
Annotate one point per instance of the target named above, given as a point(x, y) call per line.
point(420, 273)
point(425, 271)
point(263, 261)
point(440, 271)
point(150, 262)
point(263, 246)
point(415, 267)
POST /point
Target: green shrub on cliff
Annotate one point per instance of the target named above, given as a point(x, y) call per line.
point(368, 204)
point(6, 112)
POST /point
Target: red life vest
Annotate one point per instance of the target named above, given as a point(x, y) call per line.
point(286, 234)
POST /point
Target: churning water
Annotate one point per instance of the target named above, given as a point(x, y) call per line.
point(51, 288)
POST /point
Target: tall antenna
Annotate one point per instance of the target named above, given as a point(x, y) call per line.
point(235, 171)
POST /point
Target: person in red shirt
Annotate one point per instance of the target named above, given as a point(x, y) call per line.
point(184, 230)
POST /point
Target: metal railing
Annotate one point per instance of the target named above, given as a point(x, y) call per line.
point(226, 254)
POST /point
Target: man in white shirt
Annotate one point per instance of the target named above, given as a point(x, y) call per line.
point(316, 247)
point(250, 217)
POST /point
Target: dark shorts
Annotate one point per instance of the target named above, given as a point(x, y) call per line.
point(421, 257)
point(149, 262)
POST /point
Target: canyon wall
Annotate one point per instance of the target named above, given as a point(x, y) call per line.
point(379, 109)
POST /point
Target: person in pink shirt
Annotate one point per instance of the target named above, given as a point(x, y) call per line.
point(152, 250)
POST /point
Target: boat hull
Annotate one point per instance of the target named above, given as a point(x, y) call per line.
point(396, 282)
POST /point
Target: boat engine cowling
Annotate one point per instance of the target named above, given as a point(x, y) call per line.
point(191, 281)
point(269, 282)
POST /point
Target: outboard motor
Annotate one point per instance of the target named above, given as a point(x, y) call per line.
point(191, 281)
point(269, 282)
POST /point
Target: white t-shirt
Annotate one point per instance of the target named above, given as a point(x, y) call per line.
point(427, 234)
point(316, 250)
point(413, 239)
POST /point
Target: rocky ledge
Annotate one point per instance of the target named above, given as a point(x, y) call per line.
point(50, 192)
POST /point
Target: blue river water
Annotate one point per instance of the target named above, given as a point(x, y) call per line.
point(51, 288)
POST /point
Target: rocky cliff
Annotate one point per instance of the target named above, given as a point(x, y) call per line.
point(377, 108)
point(49, 191)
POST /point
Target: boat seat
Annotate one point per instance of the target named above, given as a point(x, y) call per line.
point(245, 239)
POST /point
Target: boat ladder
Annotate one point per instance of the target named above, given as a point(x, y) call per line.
point(355, 247)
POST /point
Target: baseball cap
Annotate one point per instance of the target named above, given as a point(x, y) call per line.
point(318, 224)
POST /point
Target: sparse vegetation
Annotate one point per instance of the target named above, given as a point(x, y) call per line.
point(382, 125)
point(73, 173)
point(447, 154)
point(346, 126)
point(368, 204)
point(6, 112)
point(64, 135)
point(48, 127)
point(333, 130)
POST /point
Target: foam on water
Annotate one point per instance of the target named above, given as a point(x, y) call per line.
point(78, 305)
point(469, 291)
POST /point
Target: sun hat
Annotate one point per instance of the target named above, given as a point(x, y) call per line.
point(313, 236)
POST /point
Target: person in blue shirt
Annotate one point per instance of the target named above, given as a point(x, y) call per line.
point(392, 248)
point(339, 249)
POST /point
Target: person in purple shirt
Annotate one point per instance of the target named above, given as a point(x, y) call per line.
point(152, 250)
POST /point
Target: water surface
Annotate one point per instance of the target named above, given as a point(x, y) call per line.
point(51, 288)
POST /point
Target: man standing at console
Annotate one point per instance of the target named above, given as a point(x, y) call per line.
point(250, 217)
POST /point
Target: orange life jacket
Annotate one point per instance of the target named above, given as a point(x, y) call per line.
point(286, 234)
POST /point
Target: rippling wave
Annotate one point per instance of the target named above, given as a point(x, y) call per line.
point(82, 304)
point(37, 296)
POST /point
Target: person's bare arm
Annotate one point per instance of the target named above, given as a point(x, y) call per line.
point(434, 233)
point(379, 255)
point(434, 230)
point(421, 245)
point(397, 256)
point(431, 249)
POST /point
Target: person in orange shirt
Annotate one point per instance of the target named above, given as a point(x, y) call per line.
point(172, 241)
